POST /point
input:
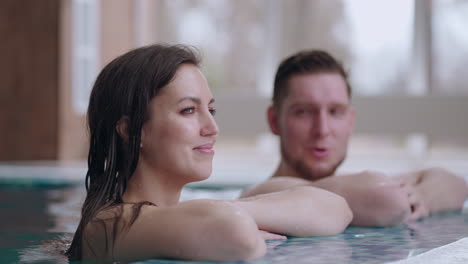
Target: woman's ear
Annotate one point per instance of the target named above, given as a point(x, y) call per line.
point(122, 128)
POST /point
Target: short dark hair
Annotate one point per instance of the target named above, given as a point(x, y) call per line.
point(305, 62)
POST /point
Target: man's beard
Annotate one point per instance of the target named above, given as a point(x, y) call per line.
point(306, 172)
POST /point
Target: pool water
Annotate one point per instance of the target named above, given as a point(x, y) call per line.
point(38, 219)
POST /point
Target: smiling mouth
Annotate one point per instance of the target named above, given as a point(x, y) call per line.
point(205, 149)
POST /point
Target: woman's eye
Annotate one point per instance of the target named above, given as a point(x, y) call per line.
point(188, 110)
point(213, 111)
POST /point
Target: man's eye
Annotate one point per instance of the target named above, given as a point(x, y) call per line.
point(188, 110)
point(299, 111)
point(337, 111)
point(213, 111)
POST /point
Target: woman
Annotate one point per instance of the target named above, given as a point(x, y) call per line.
point(152, 131)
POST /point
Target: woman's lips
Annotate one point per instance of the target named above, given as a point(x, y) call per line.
point(205, 149)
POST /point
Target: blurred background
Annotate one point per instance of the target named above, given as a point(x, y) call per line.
point(406, 59)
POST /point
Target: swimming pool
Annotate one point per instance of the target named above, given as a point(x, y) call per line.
point(38, 217)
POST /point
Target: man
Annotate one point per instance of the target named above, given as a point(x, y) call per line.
point(313, 116)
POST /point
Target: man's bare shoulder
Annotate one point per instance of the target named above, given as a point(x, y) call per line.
point(334, 183)
point(274, 184)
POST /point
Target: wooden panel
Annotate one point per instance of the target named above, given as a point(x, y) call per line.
point(28, 79)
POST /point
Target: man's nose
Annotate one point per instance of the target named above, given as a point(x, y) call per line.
point(209, 126)
point(322, 124)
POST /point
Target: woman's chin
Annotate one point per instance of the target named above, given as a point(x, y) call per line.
point(201, 176)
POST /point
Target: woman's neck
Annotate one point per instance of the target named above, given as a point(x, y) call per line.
point(148, 185)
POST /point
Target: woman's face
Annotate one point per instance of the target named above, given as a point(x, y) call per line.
point(178, 139)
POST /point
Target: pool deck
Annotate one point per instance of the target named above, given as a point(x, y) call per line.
point(236, 169)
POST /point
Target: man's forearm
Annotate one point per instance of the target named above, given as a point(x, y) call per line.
point(442, 190)
point(375, 198)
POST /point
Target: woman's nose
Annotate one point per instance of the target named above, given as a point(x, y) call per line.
point(209, 128)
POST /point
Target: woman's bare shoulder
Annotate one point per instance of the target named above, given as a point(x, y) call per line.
point(107, 226)
point(161, 231)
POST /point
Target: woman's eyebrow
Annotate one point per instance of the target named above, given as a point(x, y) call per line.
point(194, 99)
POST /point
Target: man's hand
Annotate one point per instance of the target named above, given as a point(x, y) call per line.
point(416, 202)
point(375, 198)
point(439, 189)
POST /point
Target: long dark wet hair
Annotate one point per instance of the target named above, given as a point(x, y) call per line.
point(123, 88)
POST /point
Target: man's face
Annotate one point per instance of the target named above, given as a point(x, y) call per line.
point(314, 122)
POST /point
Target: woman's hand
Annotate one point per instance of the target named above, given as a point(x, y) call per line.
point(271, 236)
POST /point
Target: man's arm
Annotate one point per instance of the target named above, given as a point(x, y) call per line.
point(375, 199)
point(440, 189)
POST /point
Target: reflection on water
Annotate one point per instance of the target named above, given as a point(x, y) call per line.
point(37, 225)
point(32, 219)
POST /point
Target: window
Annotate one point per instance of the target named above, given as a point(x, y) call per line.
point(85, 39)
point(404, 59)
point(450, 46)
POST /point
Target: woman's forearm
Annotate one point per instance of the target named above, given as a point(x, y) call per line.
point(299, 211)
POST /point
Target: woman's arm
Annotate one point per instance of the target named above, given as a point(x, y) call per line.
point(193, 230)
point(299, 211)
